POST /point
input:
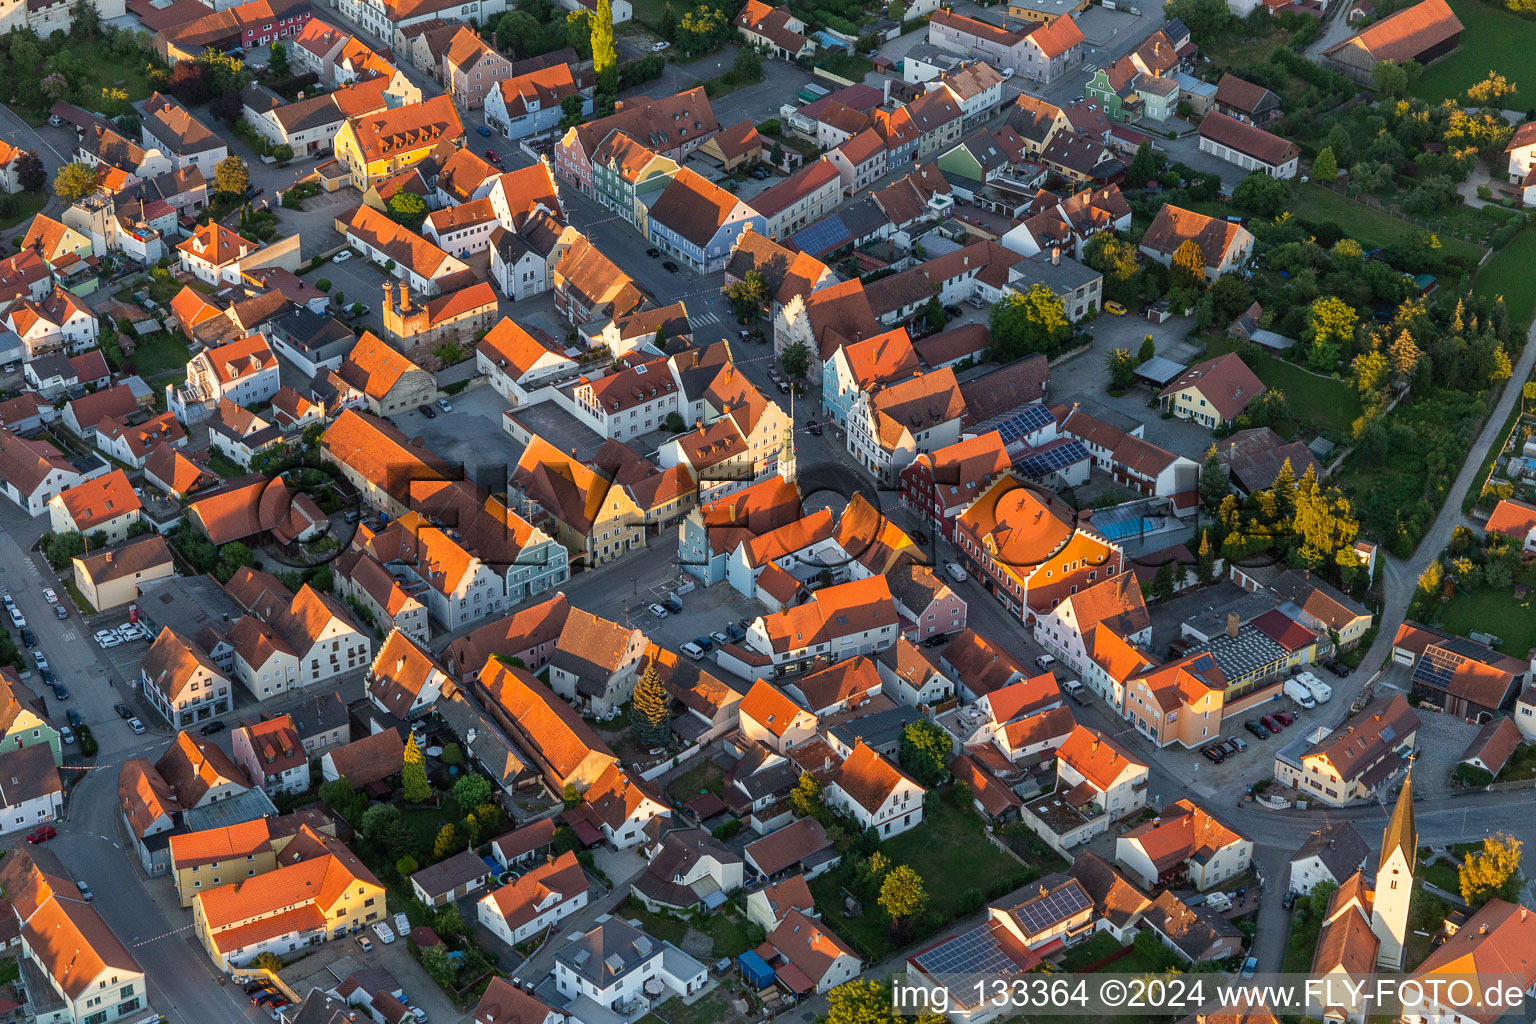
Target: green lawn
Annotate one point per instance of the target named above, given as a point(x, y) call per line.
point(28, 205)
point(1492, 611)
point(1326, 404)
point(704, 778)
point(105, 69)
point(1442, 876)
point(161, 353)
point(667, 929)
point(1091, 952)
point(710, 1009)
point(1373, 228)
point(1491, 37)
point(1508, 273)
point(949, 852)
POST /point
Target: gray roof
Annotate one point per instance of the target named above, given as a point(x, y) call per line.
point(608, 952)
point(1066, 275)
point(1160, 370)
point(319, 713)
point(236, 810)
point(464, 868)
point(194, 606)
point(1338, 846)
point(879, 729)
point(487, 744)
point(1239, 655)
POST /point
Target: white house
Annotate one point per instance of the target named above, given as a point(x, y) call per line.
point(612, 963)
point(1118, 782)
point(517, 364)
point(534, 901)
point(876, 792)
point(30, 789)
point(1184, 841)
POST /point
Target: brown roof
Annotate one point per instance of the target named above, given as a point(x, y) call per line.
point(1057, 36)
point(1239, 94)
point(400, 671)
point(808, 944)
point(1174, 225)
point(505, 1003)
point(125, 559)
point(399, 243)
point(1114, 897)
point(171, 661)
point(415, 126)
point(192, 766)
point(369, 759)
point(1494, 744)
point(524, 899)
point(1224, 381)
point(694, 207)
point(1498, 940)
point(1245, 138)
point(1005, 388)
point(868, 778)
point(144, 795)
point(548, 727)
point(661, 124)
point(28, 773)
point(379, 452)
point(525, 628)
point(71, 942)
point(1364, 739)
point(845, 682)
point(1096, 757)
point(520, 842)
point(1405, 34)
point(539, 89)
point(788, 846)
point(1183, 832)
point(277, 744)
point(171, 123)
point(97, 501)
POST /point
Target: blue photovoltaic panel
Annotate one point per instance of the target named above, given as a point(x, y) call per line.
point(823, 235)
point(1052, 459)
point(1436, 667)
point(1038, 915)
point(1023, 423)
point(976, 952)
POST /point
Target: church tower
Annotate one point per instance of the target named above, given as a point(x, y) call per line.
point(1394, 880)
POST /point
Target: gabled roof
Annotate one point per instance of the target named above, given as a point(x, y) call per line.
point(1405, 34)
point(1245, 138)
point(869, 779)
point(91, 503)
point(771, 708)
point(1224, 381)
point(388, 133)
point(808, 944)
point(144, 795)
point(520, 901)
point(548, 726)
point(192, 766)
point(374, 757)
point(1174, 225)
point(382, 454)
point(1498, 940)
point(1096, 757)
point(1364, 739)
point(539, 89)
point(660, 124)
point(1512, 517)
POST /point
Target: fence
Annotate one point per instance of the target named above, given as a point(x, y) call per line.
point(652, 774)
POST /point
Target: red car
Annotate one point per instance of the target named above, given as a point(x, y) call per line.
point(1272, 723)
point(493, 156)
point(1286, 718)
point(42, 835)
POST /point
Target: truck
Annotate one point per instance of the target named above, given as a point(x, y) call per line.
point(1321, 691)
point(813, 92)
point(1298, 692)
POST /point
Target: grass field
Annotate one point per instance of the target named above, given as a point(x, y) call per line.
point(1325, 404)
point(1508, 273)
point(159, 353)
point(1492, 611)
point(1491, 38)
point(1371, 227)
point(106, 69)
point(28, 205)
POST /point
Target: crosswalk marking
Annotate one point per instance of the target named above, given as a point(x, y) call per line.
point(705, 318)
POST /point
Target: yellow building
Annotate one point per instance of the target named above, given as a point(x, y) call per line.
point(377, 145)
point(591, 516)
point(1043, 12)
point(321, 892)
point(219, 856)
point(111, 578)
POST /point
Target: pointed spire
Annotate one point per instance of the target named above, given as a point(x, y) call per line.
point(1400, 832)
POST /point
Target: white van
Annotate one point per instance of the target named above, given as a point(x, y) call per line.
point(693, 651)
point(1045, 661)
point(1074, 689)
point(1298, 692)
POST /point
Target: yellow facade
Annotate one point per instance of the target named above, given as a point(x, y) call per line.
point(368, 173)
point(190, 881)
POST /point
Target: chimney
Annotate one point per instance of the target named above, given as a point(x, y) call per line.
point(1055, 255)
point(1232, 623)
point(389, 294)
point(405, 296)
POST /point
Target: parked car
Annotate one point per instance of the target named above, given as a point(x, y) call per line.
point(74, 718)
point(657, 610)
point(1271, 723)
point(342, 256)
point(59, 691)
point(211, 728)
point(703, 643)
point(41, 660)
point(956, 573)
point(1337, 667)
point(85, 891)
point(1114, 307)
point(659, 46)
point(445, 405)
point(253, 987)
point(384, 932)
point(1249, 966)
point(1238, 742)
point(693, 651)
point(402, 923)
point(50, 596)
point(28, 638)
point(136, 726)
point(653, 252)
point(493, 156)
point(123, 711)
point(1254, 726)
point(1285, 717)
point(60, 612)
point(1214, 753)
point(364, 944)
point(720, 636)
point(937, 640)
point(481, 129)
point(669, 266)
point(110, 641)
point(736, 633)
point(427, 411)
point(42, 835)
point(66, 734)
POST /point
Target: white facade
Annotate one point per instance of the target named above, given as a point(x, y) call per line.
point(555, 907)
point(902, 808)
point(1283, 171)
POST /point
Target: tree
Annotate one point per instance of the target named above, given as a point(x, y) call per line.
point(605, 57)
point(1491, 91)
point(805, 798)
point(1390, 78)
point(377, 821)
point(31, 175)
point(860, 1001)
point(1430, 579)
point(268, 961)
point(903, 896)
point(277, 60)
point(406, 866)
point(650, 714)
point(447, 842)
point(518, 33)
point(1324, 523)
point(413, 777)
point(1214, 485)
point(74, 182)
point(1330, 327)
point(189, 82)
point(1204, 18)
point(439, 966)
point(1205, 559)
point(668, 23)
point(1143, 167)
point(1165, 581)
point(1147, 351)
point(1188, 268)
point(1029, 322)
point(227, 107)
point(54, 86)
point(231, 176)
point(1122, 368)
point(748, 296)
point(232, 558)
point(795, 360)
point(1111, 256)
point(1492, 871)
point(748, 64)
point(472, 790)
point(578, 33)
point(1371, 371)
point(933, 313)
point(925, 752)
point(84, 19)
point(61, 548)
point(1325, 167)
point(407, 209)
point(448, 921)
point(1263, 195)
point(1403, 357)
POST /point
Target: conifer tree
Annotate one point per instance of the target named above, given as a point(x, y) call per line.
point(650, 715)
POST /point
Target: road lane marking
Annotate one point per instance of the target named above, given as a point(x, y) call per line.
point(157, 938)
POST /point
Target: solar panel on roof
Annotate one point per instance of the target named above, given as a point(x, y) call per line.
point(1050, 460)
point(1053, 908)
point(976, 952)
point(825, 234)
point(1436, 667)
point(1023, 423)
